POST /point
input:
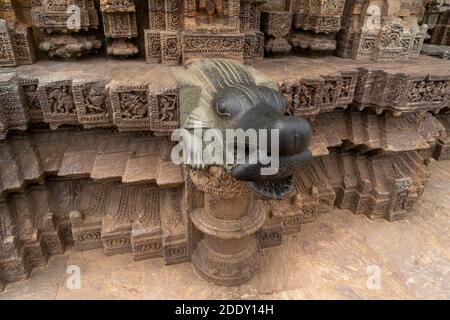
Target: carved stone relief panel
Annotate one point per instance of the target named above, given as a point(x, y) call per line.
point(92, 103)
point(164, 111)
point(23, 45)
point(7, 50)
point(174, 14)
point(170, 47)
point(11, 101)
point(212, 45)
point(380, 31)
point(253, 46)
point(130, 107)
point(52, 15)
point(57, 102)
point(152, 46)
point(186, 30)
point(250, 16)
point(401, 93)
point(157, 14)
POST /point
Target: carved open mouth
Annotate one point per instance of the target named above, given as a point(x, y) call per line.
point(273, 188)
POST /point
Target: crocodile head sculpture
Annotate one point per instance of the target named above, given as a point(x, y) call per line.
point(229, 95)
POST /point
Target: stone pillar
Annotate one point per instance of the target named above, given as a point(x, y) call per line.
point(229, 253)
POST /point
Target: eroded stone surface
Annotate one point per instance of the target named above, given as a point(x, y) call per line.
point(327, 260)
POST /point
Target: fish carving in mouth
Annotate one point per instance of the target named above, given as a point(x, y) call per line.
point(235, 96)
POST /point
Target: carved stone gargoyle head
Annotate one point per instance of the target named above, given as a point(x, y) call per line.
point(234, 96)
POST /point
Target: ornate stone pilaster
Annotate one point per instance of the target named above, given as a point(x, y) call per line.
point(229, 252)
point(16, 43)
point(315, 24)
point(64, 25)
point(119, 23)
point(380, 31)
point(276, 26)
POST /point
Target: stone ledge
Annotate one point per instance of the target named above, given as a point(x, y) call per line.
point(136, 96)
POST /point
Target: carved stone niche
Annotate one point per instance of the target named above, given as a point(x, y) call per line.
point(66, 36)
point(119, 23)
point(164, 111)
point(229, 253)
point(380, 30)
point(188, 30)
point(31, 99)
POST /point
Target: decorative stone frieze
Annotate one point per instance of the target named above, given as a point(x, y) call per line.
point(65, 24)
point(381, 31)
point(184, 31)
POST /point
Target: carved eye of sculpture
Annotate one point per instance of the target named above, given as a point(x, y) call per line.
point(225, 109)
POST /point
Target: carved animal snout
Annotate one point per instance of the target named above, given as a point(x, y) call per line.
point(294, 135)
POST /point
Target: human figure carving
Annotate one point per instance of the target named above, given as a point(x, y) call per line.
point(95, 102)
point(168, 107)
point(134, 106)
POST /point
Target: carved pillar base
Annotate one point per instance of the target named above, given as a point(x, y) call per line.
point(229, 253)
point(227, 262)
